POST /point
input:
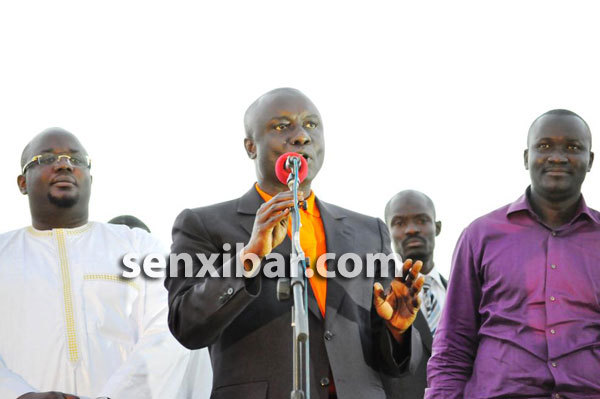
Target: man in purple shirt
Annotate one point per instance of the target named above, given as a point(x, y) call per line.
point(522, 313)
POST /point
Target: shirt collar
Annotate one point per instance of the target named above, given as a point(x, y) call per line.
point(75, 230)
point(435, 275)
point(311, 206)
point(583, 208)
point(522, 204)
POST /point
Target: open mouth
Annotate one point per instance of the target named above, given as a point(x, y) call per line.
point(305, 156)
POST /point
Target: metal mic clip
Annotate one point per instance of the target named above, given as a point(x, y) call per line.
point(289, 163)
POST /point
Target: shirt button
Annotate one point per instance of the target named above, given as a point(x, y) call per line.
point(556, 396)
point(553, 266)
point(324, 381)
point(328, 335)
point(554, 364)
point(552, 299)
point(554, 234)
point(229, 291)
point(553, 331)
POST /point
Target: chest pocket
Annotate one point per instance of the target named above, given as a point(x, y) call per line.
point(112, 307)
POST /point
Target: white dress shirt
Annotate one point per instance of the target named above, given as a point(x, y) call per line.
point(438, 290)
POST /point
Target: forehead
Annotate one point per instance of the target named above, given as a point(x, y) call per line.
point(560, 127)
point(55, 142)
point(283, 104)
point(411, 205)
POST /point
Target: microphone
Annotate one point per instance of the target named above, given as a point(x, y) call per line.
point(284, 167)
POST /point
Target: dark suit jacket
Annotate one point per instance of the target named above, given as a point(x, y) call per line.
point(412, 386)
point(248, 331)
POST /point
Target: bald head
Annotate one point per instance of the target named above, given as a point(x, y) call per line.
point(33, 148)
point(410, 217)
point(256, 109)
point(560, 117)
point(58, 185)
point(281, 121)
point(408, 197)
point(129, 221)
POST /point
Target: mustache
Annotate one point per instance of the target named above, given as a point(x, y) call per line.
point(412, 239)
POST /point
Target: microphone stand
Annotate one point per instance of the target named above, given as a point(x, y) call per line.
point(300, 295)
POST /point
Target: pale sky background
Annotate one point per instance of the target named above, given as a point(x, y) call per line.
point(435, 96)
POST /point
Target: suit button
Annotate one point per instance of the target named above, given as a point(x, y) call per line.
point(226, 295)
point(324, 381)
point(328, 335)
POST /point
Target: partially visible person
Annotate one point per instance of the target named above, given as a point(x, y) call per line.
point(411, 219)
point(522, 315)
point(198, 376)
point(71, 326)
point(129, 221)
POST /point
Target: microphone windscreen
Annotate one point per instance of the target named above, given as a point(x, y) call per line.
point(281, 172)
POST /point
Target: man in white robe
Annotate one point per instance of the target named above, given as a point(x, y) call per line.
point(72, 327)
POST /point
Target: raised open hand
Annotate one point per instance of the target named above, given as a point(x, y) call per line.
point(400, 305)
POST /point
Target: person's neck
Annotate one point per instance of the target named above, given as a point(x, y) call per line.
point(554, 212)
point(59, 219)
point(428, 266)
point(273, 189)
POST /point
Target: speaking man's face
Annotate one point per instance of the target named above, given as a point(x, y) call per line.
point(286, 121)
point(558, 156)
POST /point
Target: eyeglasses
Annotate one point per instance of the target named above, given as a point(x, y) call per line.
point(76, 160)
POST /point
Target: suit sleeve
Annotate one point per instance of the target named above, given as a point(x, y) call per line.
point(456, 341)
point(396, 361)
point(200, 308)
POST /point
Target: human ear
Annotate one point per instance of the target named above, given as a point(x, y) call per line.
point(22, 183)
point(250, 148)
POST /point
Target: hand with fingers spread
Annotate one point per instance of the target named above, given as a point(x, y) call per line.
point(271, 224)
point(399, 307)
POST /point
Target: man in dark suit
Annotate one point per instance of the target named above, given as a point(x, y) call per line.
point(360, 328)
point(410, 217)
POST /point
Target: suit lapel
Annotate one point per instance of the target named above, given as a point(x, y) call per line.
point(423, 327)
point(444, 282)
point(339, 238)
point(248, 204)
point(313, 307)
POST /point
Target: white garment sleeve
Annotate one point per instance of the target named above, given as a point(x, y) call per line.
point(157, 365)
point(12, 385)
point(197, 382)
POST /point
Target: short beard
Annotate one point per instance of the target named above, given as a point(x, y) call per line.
point(63, 202)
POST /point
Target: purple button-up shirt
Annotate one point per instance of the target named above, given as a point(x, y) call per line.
point(522, 314)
